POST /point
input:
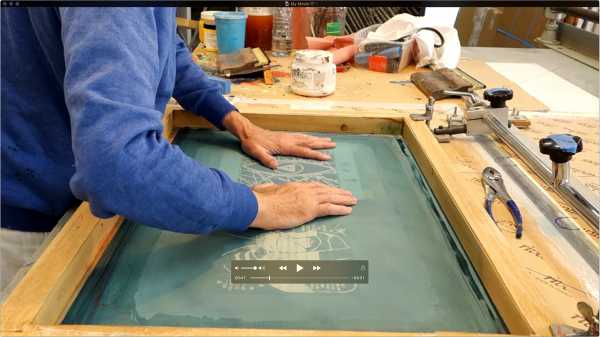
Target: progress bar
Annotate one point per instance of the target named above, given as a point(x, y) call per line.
point(300, 271)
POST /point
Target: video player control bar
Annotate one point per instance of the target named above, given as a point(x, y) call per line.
point(300, 271)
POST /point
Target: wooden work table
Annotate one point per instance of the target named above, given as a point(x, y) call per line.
point(361, 92)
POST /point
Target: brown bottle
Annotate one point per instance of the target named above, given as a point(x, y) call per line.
point(259, 27)
point(301, 17)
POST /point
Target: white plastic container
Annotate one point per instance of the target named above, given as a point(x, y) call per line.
point(313, 73)
point(208, 30)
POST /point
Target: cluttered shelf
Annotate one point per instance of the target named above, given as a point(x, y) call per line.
point(372, 89)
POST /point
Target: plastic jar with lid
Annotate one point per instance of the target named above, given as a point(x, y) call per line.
point(313, 73)
point(208, 30)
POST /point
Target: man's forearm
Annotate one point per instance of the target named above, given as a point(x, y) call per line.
point(117, 132)
point(195, 91)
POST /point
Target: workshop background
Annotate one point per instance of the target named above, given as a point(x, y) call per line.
point(513, 27)
point(574, 34)
point(547, 57)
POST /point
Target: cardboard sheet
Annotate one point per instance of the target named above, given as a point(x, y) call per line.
point(557, 93)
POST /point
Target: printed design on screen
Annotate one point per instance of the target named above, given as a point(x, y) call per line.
point(308, 242)
point(290, 169)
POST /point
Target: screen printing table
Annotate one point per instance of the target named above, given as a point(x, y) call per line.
point(529, 283)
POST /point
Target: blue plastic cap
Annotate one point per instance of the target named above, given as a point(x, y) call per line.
point(231, 15)
point(565, 142)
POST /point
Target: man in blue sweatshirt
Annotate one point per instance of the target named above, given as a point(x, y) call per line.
point(83, 93)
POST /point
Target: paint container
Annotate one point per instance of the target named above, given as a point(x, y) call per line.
point(231, 31)
point(313, 73)
point(259, 27)
point(208, 30)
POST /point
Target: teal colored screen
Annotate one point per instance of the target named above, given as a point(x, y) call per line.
point(419, 277)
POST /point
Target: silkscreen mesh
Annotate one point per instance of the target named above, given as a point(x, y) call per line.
point(420, 279)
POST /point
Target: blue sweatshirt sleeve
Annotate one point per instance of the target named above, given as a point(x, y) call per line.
point(195, 91)
point(122, 163)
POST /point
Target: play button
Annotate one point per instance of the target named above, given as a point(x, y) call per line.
point(298, 268)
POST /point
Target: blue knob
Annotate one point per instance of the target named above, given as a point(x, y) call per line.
point(561, 147)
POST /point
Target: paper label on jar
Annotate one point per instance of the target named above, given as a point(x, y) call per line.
point(309, 78)
point(210, 39)
point(312, 78)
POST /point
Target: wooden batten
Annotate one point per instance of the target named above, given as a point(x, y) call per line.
point(486, 246)
point(187, 23)
point(105, 330)
point(46, 292)
point(390, 123)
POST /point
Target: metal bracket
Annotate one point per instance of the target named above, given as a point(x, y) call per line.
point(455, 118)
point(476, 124)
point(472, 100)
point(428, 115)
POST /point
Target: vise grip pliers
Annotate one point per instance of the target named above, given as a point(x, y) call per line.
point(494, 188)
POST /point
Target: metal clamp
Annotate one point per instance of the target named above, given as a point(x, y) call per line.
point(472, 99)
point(483, 118)
point(428, 115)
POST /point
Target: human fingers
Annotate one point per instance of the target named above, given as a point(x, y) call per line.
point(337, 199)
point(314, 142)
point(262, 155)
point(305, 152)
point(322, 188)
point(320, 143)
point(332, 209)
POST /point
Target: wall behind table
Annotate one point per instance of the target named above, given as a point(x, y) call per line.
point(510, 27)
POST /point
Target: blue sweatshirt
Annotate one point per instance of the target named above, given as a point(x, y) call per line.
point(83, 95)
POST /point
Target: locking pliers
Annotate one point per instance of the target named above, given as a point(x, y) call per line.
point(494, 188)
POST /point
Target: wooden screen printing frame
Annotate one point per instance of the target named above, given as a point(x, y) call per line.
point(39, 302)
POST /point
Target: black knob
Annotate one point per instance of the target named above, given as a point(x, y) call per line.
point(561, 147)
point(498, 96)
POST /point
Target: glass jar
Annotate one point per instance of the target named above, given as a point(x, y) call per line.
point(259, 27)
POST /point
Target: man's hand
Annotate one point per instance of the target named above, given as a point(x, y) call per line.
point(263, 144)
point(293, 204)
